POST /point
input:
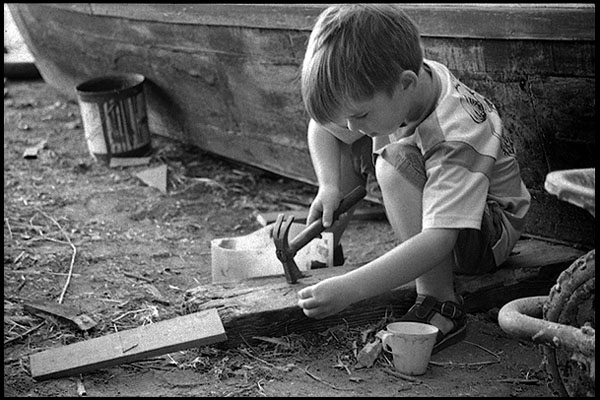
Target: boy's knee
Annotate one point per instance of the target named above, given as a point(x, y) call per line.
point(398, 165)
point(387, 175)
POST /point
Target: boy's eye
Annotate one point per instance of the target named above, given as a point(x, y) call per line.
point(361, 116)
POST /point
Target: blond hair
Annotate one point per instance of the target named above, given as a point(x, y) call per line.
point(355, 51)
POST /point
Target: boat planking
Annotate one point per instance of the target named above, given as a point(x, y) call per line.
point(225, 77)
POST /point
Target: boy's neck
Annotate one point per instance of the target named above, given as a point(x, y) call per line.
point(429, 92)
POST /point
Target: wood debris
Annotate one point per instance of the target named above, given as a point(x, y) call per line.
point(32, 152)
point(156, 294)
point(155, 177)
point(276, 341)
point(520, 381)
point(368, 354)
point(80, 388)
point(128, 161)
point(80, 320)
point(149, 340)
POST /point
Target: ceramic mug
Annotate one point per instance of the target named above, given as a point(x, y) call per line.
point(411, 344)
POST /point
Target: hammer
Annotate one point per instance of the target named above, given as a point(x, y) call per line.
point(287, 250)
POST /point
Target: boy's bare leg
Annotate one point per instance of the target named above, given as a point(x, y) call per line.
point(403, 205)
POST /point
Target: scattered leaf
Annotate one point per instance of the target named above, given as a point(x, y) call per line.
point(155, 177)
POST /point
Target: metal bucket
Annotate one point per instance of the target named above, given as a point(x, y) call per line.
point(114, 115)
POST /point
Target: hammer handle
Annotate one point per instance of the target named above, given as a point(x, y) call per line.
point(316, 227)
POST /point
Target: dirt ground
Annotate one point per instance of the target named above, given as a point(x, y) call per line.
point(138, 250)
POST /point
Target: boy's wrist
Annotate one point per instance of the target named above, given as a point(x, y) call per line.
point(329, 187)
point(331, 192)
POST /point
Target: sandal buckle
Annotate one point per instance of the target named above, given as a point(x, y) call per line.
point(450, 314)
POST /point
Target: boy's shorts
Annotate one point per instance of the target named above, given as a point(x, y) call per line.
point(473, 250)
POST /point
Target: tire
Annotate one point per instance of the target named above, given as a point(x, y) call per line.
point(572, 302)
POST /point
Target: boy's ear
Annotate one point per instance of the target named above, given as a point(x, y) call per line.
point(408, 79)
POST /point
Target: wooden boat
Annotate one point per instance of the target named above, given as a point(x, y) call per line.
point(224, 77)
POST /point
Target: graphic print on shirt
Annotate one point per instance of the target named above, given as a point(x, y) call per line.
point(473, 103)
point(477, 106)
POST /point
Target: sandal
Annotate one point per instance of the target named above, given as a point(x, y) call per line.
point(425, 308)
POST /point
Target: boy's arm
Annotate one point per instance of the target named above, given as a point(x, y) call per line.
point(397, 267)
point(325, 152)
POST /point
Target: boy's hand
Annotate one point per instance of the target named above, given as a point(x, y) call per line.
point(324, 205)
point(325, 298)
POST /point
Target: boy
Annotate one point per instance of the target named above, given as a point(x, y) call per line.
point(450, 183)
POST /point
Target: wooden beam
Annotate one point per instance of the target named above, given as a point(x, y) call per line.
point(267, 306)
point(496, 21)
point(194, 330)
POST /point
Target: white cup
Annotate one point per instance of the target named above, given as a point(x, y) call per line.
point(411, 344)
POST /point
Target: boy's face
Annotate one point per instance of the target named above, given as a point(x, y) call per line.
point(379, 116)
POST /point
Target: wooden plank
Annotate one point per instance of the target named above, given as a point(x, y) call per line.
point(530, 271)
point(495, 21)
point(267, 306)
point(116, 162)
point(197, 329)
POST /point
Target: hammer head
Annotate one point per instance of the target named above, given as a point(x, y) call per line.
point(284, 253)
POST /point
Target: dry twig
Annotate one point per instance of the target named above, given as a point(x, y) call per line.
point(21, 255)
point(141, 278)
point(246, 352)
point(62, 294)
point(402, 376)
point(483, 348)
point(238, 392)
point(459, 364)
point(10, 235)
point(521, 381)
point(316, 378)
point(397, 374)
point(340, 364)
point(130, 312)
point(22, 335)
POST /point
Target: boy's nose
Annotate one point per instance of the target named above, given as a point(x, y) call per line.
point(353, 127)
